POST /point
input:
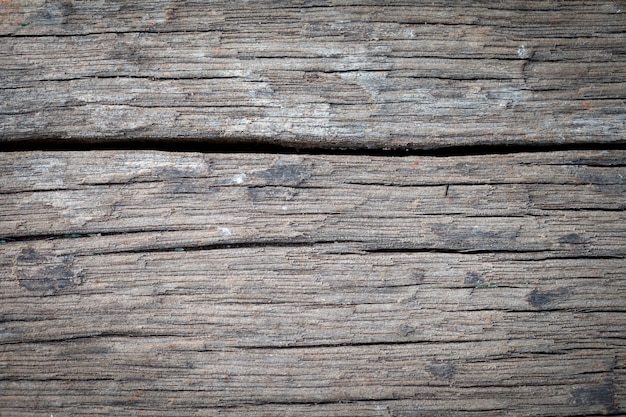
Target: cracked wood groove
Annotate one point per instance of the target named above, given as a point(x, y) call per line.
point(154, 283)
point(313, 74)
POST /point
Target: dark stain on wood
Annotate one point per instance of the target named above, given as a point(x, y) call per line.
point(406, 330)
point(597, 178)
point(473, 279)
point(418, 277)
point(572, 238)
point(598, 395)
point(56, 12)
point(38, 272)
point(479, 237)
point(442, 369)
point(542, 299)
point(285, 173)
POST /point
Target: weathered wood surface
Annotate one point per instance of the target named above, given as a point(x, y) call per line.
point(151, 283)
point(314, 74)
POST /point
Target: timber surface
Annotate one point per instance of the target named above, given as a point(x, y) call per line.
point(316, 74)
point(155, 283)
point(480, 280)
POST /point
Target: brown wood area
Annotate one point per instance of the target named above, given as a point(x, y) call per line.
point(171, 283)
point(317, 208)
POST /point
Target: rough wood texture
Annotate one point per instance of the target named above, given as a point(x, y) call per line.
point(182, 284)
point(314, 74)
point(149, 283)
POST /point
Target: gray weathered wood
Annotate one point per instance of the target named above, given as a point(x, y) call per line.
point(329, 74)
point(182, 284)
point(533, 202)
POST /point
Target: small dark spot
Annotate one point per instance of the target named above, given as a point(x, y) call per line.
point(56, 11)
point(602, 395)
point(185, 187)
point(540, 299)
point(172, 12)
point(598, 179)
point(285, 173)
point(418, 277)
point(472, 278)
point(406, 330)
point(311, 76)
point(572, 238)
point(45, 273)
point(442, 369)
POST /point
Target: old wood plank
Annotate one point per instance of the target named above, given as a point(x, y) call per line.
point(412, 203)
point(313, 75)
point(331, 295)
point(288, 378)
point(238, 329)
point(166, 320)
point(176, 284)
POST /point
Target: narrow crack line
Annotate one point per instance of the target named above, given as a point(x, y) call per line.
point(468, 78)
point(518, 215)
point(132, 77)
point(235, 245)
point(584, 209)
point(311, 402)
point(175, 248)
point(183, 337)
point(455, 251)
point(569, 257)
point(103, 335)
point(170, 180)
point(495, 182)
point(261, 145)
point(83, 186)
point(362, 248)
point(75, 234)
point(44, 190)
point(590, 163)
point(569, 309)
point(358, 344)
point(72, 378)
point(109, 32)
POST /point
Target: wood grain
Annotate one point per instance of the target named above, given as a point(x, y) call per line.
point(313, 74)
point(531, 204)
point(155, 283)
